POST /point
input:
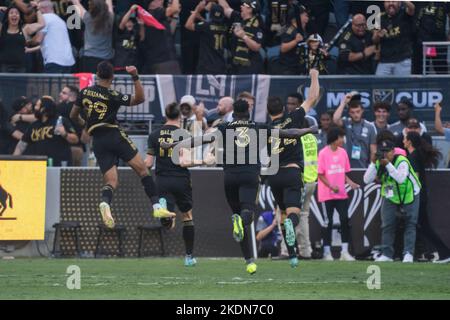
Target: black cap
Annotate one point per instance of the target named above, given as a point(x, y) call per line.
point(252, 4)
point(216, 13)
point(19, 103)
point(386, 145)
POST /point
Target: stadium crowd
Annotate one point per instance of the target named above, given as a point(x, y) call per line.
point(284, 37)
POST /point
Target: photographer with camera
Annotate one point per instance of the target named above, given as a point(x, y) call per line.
point(400, 188)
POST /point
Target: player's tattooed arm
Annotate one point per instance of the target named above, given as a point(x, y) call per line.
point(76, 117)
point(295, 133)
point(20, 148)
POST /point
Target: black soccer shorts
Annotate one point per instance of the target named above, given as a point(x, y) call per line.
point(241, 190)
point(110, 145)
point(176, 190)
point(286, 187)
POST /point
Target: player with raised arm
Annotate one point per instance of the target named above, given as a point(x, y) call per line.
point(110, 142)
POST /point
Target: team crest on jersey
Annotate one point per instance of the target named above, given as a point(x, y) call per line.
point(125, 98)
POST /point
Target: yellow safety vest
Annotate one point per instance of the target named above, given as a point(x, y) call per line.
point(309, 145)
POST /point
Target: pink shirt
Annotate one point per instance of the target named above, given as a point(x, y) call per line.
point(334, 166)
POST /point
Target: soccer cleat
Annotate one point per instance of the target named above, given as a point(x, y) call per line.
point(442, 261)
point(345, 256)
point(251, 268)
point(408, 258)
point(293, 262)
point(105, 211)
point(163, 202)
point(327, 257)
point(163, 213)
point(238, 228)
point(290, 232)
point(189, 261)
point(383, 258)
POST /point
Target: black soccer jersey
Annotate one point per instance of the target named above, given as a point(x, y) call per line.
point(212, 48)
point(101, 105)
point(288, 149)
point(164, 163)
point(242, 142)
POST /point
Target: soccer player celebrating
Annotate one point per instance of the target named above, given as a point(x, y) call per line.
point(286, 184)
point(110, 142)
point(173, 180)
point(242, 142)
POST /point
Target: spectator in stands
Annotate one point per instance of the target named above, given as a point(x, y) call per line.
point(22, 108)
point(54, 41)
point(356, 50)
point(225, 109)
point(46, 138)
point(190, 42)
point(276, 13)
point(247, 37)
point(13, 37)
point(267, 235)
point(400, 188)
point(192, 114)
point(312, 55)
point(422, 156)
point(441, 128)
point(290, 40)
point(431, 22)
point(212, 35)
point(395, 39)
point(381, 111)
point(404, 113)
point(360, 133)
point(333, 168)
point(412, 125)
point(8, 134)
point(98, 26)
point(158, 45)
point(67, 98)
point(326, 123)
point(319, 12)
point(131, 32)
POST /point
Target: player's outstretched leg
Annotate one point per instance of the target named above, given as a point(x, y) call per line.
point(188, 237)
point(290, 223)
point(139, 167)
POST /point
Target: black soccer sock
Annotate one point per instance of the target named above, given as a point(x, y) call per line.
point(294, 218)
point(150, 189)
point(245, 245)
point(290, 249)
point(107, 193)
point(188, 236)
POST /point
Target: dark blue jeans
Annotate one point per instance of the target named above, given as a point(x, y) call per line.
point(56, 68)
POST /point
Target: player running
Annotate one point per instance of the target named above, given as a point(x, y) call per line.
point(286, 185)
point(242, 142)
point(110, 142)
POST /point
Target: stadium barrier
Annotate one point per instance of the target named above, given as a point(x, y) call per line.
point(73, 195)
point(424, 91)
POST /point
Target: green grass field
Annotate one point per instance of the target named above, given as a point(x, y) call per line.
point(218, 279)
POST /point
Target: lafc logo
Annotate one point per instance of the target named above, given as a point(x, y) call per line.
point(6, 200)
point(41, 134)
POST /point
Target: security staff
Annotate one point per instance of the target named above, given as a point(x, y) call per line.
point(356, 50)
point(46, 136)
point(213, 36)
point(246, 39)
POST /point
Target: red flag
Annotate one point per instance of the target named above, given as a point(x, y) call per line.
point(86, 79)
point(431, 52)
point(148, 19)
